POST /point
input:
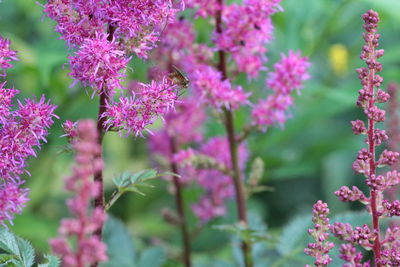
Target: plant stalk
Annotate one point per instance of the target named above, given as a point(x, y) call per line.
point(98, 176)
point(181, 210)
point(233, 149)
point(372, 168)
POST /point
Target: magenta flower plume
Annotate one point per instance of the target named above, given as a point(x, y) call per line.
point(289, 74)
point(88, 248)
point(320, 249)
point(133, 114)
point(22, 129)
point(99, 64)
point(138, 23)
point(247, 28)
point(210, 87)
point(6, 55)
point(183, 124)
point(218, 187)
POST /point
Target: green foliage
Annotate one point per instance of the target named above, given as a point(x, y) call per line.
point(122, 252)
point(18, 252)
point(132, 182)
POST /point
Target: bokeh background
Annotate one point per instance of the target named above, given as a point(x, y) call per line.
point(307, 160)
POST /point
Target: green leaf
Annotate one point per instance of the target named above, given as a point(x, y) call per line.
point(52, 261)
point(27, 254)
point(120, 248)
point(154, 257)
point(8, 242)
point(21, 250)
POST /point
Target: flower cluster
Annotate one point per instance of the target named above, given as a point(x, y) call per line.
point(133, 114)
point(98, 64)
point(385, 251)
point(6, 55)
point(136, 24)
point(288, 75)
point(321, 248)
point(209, 168)
point(22, 129)
point(246, 30)
point(89, 248)
point(182, 125)
point(105, 34)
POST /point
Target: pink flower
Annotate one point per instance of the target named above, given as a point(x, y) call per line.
point(133, 114)
point(99, 64)
point(6, 55)
point(289, 75)
point(211, 89)
point(89, 248)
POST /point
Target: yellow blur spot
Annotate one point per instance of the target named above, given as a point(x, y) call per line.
point(338, 58)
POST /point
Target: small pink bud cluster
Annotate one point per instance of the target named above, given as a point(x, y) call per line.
point(89, 248)
point(320, 249)
point(288, 75)
point(22, 129)
point(386, 253)
point(349, 254)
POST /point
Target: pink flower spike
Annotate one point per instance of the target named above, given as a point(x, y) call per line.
point(81, 228)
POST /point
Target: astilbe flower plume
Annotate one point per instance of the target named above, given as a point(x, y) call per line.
point(6, 55)
point(288, 75)
point(217, 184)
point(104, 35)
point(132, 114)
point(88, 248)
point(386, 250)
point(183, 125)
point(246, 30)
point(22, 129)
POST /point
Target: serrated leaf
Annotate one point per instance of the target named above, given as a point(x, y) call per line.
point(154, 257)
point(120, 248)
point(52, 261)
point(27, 254)
point(21, 250)
point(8, 242)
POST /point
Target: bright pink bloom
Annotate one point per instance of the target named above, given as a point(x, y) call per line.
point(247, 28)
point(89, 248)
point(211, 89)
point(22, 129)
point(289, 74)
point(6, 55)
point(99, 64)
point(133, 114)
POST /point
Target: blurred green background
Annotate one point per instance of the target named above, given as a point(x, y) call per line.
point(307, 160)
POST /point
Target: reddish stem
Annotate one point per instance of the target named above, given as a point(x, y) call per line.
point(233, 149)
point(98, 176)
point(372, 172)
point(181, 210)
